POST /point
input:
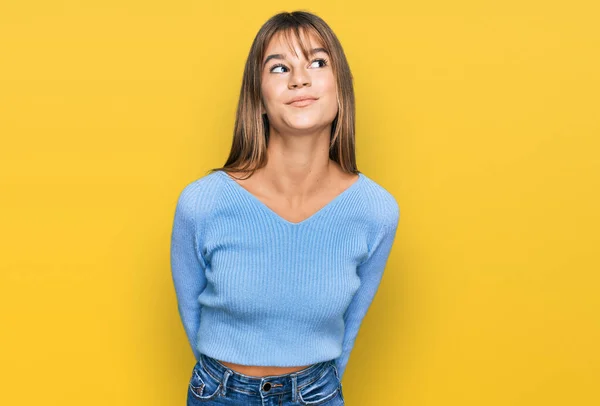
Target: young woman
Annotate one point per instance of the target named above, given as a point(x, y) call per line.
point(277, 256)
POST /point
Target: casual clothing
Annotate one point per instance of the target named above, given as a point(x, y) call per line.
point(214, 384)
point(255, 289)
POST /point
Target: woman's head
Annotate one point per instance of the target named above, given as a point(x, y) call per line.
point(295, 67)
point(313, 64)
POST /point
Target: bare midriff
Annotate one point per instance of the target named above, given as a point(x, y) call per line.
point(260, 371)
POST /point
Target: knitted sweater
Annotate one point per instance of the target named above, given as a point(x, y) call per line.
point(255, 289)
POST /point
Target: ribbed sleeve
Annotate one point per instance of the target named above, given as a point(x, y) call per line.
point(370, 273)
point(187, 265)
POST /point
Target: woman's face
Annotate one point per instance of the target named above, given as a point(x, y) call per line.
point(286, 76)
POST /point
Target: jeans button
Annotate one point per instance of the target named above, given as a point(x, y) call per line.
point(267, 386)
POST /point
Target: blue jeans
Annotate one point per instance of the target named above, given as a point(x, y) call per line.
point(212, 383)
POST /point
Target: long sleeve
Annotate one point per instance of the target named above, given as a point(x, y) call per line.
point(370, 272)
point(187, 264)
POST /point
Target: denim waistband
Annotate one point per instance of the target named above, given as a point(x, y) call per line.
point(266, 385)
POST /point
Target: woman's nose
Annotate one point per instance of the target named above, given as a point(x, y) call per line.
point(299, 79)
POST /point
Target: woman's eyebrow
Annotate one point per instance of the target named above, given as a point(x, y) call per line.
point(282, 56)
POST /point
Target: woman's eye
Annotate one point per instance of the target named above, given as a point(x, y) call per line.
point(323, 61)
point(277, 66)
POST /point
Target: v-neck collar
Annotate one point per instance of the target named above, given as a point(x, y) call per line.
point(338, 198)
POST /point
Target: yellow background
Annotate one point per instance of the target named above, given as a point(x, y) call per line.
point(480, 117)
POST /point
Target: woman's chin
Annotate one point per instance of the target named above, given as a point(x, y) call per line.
point(304, 123)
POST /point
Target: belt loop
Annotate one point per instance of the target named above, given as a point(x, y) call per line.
point(337, 375)
point(294, 386)
point(228, 373)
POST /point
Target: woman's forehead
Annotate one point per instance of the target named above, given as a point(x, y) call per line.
point(284, 42)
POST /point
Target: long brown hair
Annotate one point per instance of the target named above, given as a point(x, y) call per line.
point(251, 134)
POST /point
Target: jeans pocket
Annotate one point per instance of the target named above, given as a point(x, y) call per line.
point(325, 388)
point(203, 386)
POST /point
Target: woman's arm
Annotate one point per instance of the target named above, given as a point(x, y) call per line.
point(370, 272)
point(187, 264)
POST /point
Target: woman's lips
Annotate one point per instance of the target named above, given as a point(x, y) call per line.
point(303, 103)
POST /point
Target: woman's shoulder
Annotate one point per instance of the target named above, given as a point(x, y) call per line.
point(200, 194)
point(200, 184)
point(379, 201)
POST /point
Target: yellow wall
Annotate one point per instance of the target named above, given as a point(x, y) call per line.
point(482, 120)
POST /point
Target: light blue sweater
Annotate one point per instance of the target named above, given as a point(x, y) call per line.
point(255, 289)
